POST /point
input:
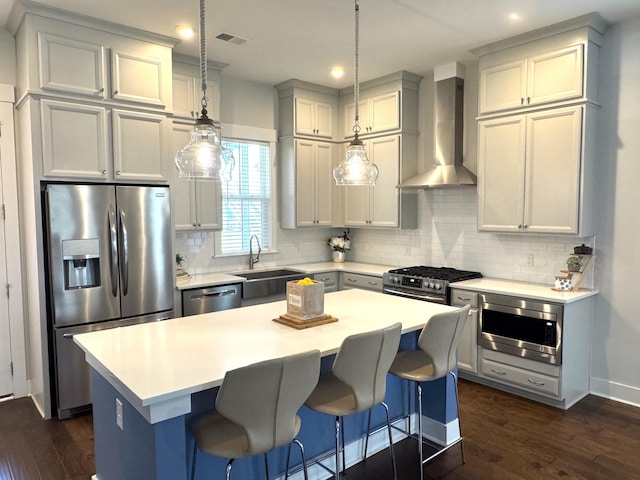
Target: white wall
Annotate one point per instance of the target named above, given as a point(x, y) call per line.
point(8, 72)
point(243, 102)
point(615, 352)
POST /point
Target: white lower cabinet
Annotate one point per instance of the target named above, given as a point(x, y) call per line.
point(360, 280)
point(536, 172)
point(468, 346)
point(196, 204)
point(330, 280)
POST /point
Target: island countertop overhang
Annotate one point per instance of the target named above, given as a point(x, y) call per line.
point(157, 366)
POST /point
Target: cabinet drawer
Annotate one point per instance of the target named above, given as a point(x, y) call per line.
point(532, 381)
point(357, 280)
point(330, 280)
point(463, 297)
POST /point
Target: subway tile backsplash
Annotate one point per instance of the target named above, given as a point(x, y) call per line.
point(446, 236)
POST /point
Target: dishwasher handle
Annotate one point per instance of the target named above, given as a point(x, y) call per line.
point(219, 293)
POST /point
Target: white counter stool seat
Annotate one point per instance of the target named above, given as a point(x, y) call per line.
point(436, 358)
point(256, 410)
point(357, 383)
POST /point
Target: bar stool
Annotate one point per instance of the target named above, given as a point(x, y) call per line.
point(256, 410)
point(357, 383)
point(435, 359)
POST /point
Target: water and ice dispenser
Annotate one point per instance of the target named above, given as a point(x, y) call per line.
point(81, 258)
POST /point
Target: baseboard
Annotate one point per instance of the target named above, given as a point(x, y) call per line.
point(615, 391)
point(440, 433)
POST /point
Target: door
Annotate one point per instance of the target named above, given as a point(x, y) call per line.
point(6, 380)
point(555, 76)
point(83, 270)
point(502, 87)
point(146, 266)
point(385, 197)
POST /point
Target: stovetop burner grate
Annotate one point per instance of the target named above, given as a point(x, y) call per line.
point(438, 273)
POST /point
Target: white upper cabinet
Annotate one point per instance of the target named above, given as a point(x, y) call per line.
point(79, 59)
point(307, 110)
point(378, 114)
point(187, 90)
point(540, 79)
point(197, 205)
point(531, 171)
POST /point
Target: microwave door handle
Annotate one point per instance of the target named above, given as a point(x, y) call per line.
point(113, 252)
point(125, 253)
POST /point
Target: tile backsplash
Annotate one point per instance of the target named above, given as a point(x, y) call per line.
point(447, 235)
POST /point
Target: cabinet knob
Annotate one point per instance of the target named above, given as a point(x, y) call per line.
point(199, 224)
point(115, 92)
point(118, 172)
point(104, 172)
point(528, 100)
point(101, 90)
point(521, 101)
point(525, 226)
point(194, 225)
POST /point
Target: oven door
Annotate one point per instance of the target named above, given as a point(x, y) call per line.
point(417, 295)
point(520, 327)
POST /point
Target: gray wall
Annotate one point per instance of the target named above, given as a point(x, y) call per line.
point(247, 103)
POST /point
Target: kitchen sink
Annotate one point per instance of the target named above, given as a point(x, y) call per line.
point(267, 283)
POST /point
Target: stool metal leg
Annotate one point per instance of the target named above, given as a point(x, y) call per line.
point(393, 455)
point(266, 466)
point(337, 472)
point(193, 461)
point(229, 465)
point(420, 429)
point(455, 383)
point(366, 438)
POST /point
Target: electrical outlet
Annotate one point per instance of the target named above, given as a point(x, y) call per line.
point(119, 419)
point(529, 259)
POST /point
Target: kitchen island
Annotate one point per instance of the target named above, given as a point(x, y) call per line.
point(149, 381)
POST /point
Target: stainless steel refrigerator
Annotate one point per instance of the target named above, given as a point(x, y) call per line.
point(109, 265)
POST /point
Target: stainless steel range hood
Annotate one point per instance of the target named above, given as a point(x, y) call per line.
point(448, 170)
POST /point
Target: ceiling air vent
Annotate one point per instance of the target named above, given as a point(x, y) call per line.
point(231, 38)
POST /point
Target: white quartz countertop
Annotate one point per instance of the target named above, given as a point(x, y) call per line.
point(523, 289)
point(221, 278)
point(157, 366)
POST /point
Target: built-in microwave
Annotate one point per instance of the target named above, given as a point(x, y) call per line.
point(521, 327)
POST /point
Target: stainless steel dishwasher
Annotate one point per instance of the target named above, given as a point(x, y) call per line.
point(211, 299)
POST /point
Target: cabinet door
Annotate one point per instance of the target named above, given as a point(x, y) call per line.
point(208, 204)
point(356, 206)
point(136, 77)
point(305, 183)
point(324, 119)
point(349, 118)
point(384, 113)
point(555, 76)
point(74, 140)
point(140, 146)
point(553, 171)
point(385, 197)
point(305, 122)
point(324, 184)
point(183, 95)
point(502, 87)
point(68, 65)
point(182, 190)
point(501, 173)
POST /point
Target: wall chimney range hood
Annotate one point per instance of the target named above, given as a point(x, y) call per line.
point(449, 105)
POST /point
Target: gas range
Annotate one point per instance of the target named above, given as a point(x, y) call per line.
point(424, 283)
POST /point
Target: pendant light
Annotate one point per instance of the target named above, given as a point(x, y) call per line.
point(356, 169)
point(204, 157)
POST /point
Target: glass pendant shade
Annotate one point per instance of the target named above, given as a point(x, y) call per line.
point(204, 157)
point(356, 169)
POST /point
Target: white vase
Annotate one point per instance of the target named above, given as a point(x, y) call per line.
point(338, 257)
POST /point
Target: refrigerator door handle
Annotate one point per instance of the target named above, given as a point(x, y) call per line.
point(125, 253)
point(113, 257)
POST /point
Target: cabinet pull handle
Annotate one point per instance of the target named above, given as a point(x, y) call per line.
point(353, 280)
point(464, 299)
point(498, 372)
point(539, 384)
point(373, 284)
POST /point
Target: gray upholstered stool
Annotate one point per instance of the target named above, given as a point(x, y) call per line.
point(435, 359)
point(357, 382)
point(256, 410)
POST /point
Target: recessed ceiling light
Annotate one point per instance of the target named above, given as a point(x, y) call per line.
point(337, 72)
point(185, 31)
point(515, 17)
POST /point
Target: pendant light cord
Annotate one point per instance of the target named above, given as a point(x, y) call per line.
point(203, 57)
point(356, 80)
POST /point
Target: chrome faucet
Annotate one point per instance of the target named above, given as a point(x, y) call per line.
point(253, 261)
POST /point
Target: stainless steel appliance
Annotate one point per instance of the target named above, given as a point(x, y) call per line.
point(211, 299)
point(520, 327)
point(109, 264)
point(430, 284)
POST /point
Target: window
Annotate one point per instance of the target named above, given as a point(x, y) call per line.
point(246, 199)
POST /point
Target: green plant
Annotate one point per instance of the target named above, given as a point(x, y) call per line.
point(179, 259)
point(574, 262)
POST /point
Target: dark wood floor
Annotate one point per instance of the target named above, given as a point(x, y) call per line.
point(506, 437)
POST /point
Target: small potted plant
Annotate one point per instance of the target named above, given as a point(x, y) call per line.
point(339, 245)
point(574, 262)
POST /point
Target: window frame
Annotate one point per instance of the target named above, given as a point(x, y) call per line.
point(240, 133)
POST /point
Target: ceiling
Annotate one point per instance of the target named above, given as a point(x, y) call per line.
point(304, 39)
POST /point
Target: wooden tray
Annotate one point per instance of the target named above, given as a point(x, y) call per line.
point(298, 324)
